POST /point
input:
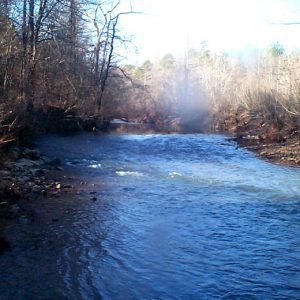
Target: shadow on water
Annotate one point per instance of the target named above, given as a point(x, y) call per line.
point(176, 217)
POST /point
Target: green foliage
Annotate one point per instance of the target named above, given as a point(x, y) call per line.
point(276, 49)
point(145, 68)
point(168, 61)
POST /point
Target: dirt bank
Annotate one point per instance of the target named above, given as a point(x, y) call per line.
point(271, 139)
point(287, 152)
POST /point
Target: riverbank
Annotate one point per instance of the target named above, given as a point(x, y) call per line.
point(276, 141)
point(25, 176)
point(29, 180)
point(287, 152)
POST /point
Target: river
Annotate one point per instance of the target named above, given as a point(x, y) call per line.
point(161, 217)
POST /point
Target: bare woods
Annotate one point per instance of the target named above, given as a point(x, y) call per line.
point(262, 86)
point(56, 58)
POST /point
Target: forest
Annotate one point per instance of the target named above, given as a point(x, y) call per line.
point(62, 71)
point(57, 58)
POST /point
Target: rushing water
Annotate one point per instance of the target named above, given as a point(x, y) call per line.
point(176, 217)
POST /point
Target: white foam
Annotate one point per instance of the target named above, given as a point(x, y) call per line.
point(95, 166)
point(126, 173)
point(174, 174)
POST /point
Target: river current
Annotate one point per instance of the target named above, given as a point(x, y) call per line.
point(161, 217)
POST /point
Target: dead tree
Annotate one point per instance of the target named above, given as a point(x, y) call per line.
point(106, 37)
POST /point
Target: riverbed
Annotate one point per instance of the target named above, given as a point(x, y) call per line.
point(158, 217)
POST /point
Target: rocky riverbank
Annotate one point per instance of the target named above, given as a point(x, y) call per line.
point(25, 175)
point(28, 180)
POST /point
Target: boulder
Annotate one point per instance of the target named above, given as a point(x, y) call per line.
point(32, 154)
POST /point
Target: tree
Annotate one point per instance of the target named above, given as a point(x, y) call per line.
point(276, 49)
point(105, 21)
point(168, 61)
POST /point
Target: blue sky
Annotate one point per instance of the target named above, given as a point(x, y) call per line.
point(226, 25)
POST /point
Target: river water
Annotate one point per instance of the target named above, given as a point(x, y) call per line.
point(176, 217)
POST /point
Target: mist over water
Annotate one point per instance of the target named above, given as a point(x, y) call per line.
point(177, 217)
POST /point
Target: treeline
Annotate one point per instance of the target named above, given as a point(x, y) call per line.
point(56, 55)
point(59, 69)
point(207, 90)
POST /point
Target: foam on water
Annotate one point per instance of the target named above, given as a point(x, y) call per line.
point(128, 173)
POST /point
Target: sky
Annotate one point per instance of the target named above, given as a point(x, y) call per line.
point(172, 26)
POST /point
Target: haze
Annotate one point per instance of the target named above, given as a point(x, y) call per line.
point(232, 25)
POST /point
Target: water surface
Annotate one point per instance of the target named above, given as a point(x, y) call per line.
point(176, 217)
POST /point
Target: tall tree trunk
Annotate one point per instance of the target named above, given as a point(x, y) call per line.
point(73, 32)
point(24, 51)
point(29, 90)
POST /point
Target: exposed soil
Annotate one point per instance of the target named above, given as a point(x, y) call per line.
point(287, 152)
point(273, 140)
